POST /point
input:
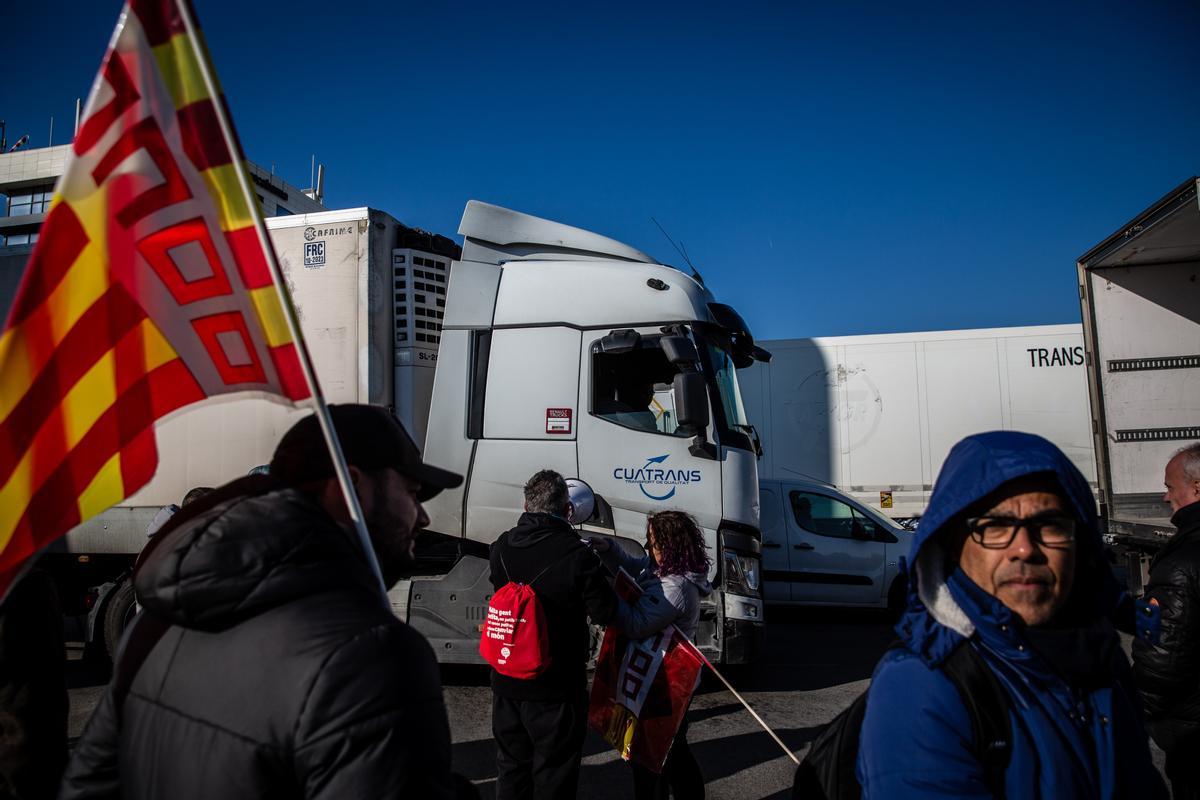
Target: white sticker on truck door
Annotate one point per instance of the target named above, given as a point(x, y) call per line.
point(558, 420)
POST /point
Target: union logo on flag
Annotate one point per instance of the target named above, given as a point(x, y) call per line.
point(150, 288)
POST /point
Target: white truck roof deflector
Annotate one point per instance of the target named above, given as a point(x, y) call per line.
point(493, 234)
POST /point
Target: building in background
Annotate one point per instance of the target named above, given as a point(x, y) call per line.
point(27, 179)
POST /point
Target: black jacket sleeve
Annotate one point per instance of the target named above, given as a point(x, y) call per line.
point(94, 769)
point(1169, 669)
point(498, 577)
point(374, 723)
point(599, 598)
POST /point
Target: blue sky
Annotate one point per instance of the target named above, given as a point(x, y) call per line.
point(832, 169)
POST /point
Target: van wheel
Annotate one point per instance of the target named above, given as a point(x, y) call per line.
point(897, 598)
point(117, 615)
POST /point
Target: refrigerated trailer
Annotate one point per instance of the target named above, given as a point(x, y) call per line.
point(539, 345)
point(1140, 294)
point(875, 416)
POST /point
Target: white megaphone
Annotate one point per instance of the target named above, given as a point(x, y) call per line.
point(583, 501)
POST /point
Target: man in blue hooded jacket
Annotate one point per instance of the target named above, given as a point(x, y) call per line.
point(1007, 560)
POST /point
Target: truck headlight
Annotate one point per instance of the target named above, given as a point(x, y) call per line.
point(741, 573)
point(750, 570)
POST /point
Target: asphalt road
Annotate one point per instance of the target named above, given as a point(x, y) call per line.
point(816, 662)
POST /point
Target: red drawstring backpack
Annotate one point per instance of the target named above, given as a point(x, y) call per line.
point(514, 639)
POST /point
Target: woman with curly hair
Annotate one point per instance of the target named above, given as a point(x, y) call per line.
point(673, 576)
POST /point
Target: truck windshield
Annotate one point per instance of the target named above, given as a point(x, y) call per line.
point(725, 376)
point(733, 428)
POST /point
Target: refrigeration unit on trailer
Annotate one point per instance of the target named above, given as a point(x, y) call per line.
point(875, 416)
point(540, 346)
point(1140, 294)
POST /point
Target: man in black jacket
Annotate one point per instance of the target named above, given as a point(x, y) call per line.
point(266, 663)
point(1168, 674)
point(539, 724)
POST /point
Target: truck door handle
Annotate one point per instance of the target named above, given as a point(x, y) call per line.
point(772, 545)
point(804, 546)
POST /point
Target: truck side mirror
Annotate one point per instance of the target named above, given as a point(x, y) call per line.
point(691, 401)
point(679, 349)
point(621, 341)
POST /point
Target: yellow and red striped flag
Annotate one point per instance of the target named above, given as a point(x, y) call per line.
point(149, 289)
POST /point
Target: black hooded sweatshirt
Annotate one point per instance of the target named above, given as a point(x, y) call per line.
point(572, 586)
point(281, 673)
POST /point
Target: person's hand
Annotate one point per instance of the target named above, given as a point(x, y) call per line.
point(598, 543)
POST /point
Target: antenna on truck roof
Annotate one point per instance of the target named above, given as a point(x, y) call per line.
point(682, 252)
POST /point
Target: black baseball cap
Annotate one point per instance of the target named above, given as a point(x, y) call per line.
point(371, 438)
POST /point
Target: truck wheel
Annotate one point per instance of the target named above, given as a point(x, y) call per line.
point(117, 615)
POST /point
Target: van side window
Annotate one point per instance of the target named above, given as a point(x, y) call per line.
point(769, 516)
point(825, 516)
point(634, 390)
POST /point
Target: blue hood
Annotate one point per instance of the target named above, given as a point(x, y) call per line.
point(942, 607)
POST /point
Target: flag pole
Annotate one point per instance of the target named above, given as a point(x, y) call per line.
point(321, 410)
point(741, 699)
point(696, 651)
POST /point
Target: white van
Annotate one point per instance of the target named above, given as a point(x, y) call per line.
point(824, 548)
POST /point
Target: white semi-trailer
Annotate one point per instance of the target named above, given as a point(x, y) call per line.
point(875, 416)
point(1140, 294)
point(539, 346)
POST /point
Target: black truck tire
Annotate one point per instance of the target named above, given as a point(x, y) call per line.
point(118, 613)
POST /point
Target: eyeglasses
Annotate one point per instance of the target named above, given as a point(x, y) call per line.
point(997, 533)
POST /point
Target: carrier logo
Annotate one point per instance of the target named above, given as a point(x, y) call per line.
point(311, 233)
point(1056, 356)
point(653, 474)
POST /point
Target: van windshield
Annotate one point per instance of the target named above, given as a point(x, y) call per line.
point(879, 517)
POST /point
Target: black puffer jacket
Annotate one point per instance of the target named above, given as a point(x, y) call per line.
point(281, 674)
point(1168, 674)
point(572, 586)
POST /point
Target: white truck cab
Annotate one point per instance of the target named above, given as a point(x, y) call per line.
point(562, 349)
point(823, 547)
